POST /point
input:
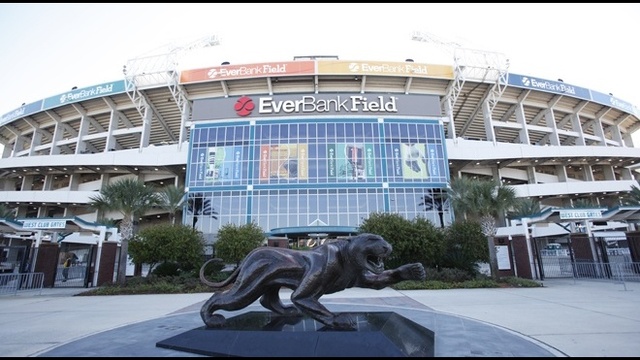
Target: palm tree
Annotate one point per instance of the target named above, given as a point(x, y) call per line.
point(584, 204)
point(632, 198)
point(197, 204)
point(526, 207)
point(172, 199)
point(132, 198)
point(7, 212)
point(459, 191)
point(435, 199)
point(485, 201)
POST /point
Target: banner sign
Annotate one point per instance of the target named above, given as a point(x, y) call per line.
point(224, 163)
point(557, 87)
point(228, 72)
point(610, 100)
point(351, 161)
point(84, 94)
point(382, 68)
point(580, 214)
point(22, 111)
point(370, 104)
point(44, 224)
point(284, 161)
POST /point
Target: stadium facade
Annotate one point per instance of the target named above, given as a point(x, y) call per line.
point(315, 144)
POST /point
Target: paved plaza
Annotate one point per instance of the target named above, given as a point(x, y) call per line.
point(562, 318)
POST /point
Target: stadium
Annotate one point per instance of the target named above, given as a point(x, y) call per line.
point(307, 147)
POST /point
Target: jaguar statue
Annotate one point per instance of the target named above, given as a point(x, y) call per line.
point(356, 261)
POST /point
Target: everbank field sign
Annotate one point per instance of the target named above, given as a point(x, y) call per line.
point(311, 104)
point(228, 72)
point(373, 104)
point(384, 68)
point(312, 67)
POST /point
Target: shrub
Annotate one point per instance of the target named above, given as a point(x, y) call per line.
point(167, 268)
point(448, 274)
point(416, 240)
point(236, 241)
point(167, 243)
point(519, 282)
point(465, 245)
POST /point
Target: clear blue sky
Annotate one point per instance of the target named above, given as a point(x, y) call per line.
point(49, 48)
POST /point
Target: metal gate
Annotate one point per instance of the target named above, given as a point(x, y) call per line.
point(14, 259)
point(78, 273)
point(556, 257)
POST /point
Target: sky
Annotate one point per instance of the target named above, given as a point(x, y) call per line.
point(49, 48)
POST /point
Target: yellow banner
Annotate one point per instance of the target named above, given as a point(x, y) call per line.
point(384, 68)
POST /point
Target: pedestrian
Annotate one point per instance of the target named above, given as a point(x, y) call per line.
point(65, 269)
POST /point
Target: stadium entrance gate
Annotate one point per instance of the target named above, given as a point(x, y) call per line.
point(14, 258)
point(599, 256)
point(79, 273)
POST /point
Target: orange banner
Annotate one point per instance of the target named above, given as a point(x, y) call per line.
point(384, 68)
point(226, 72)
point(284, 161)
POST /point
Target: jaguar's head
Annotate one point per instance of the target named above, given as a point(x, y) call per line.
point(368, 251)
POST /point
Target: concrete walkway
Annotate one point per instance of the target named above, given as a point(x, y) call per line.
point(563, 318)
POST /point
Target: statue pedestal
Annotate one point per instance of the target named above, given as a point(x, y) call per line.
point(266, 334)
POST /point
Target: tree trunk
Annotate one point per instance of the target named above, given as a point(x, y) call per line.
point(493, 259)
point(126, 231)
point(122, 267)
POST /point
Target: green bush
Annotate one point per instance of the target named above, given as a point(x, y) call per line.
point(519, 282)
point(465, 246)
point(152, 285)
point(416, 240)
point(448, 274)
point(187, 285)
point(166, 268)
point(236, 241)
point(168, 243)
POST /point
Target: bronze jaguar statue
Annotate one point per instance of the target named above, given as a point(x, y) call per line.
point(326, 269)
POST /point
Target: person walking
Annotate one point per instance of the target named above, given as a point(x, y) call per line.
point(65, 269)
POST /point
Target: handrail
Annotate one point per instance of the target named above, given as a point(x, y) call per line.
point(10, 284)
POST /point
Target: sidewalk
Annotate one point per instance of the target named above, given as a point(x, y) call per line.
point(581, 318)
point(563, 318)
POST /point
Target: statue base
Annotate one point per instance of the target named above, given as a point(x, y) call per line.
point(266, 334)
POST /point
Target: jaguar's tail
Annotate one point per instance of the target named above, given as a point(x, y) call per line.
point(221, 284)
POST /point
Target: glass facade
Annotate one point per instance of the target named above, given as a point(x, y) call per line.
point(301, 171)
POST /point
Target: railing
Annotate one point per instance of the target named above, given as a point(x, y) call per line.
point(617, 271)
point(10, 284)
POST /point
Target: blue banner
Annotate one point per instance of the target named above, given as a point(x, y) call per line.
point(557, 87)
point(610, 100)
point(84, 94)
point(24, 110)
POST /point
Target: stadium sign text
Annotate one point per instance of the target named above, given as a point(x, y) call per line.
point(384, 68)
point(549, 85)
point(580, 214)
point(84, 93)
point(256, 70)
point(309, 104)
point(366, 104)
point(389, 68)
point(230, 72)
point(24, 110)
point(44, 224)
